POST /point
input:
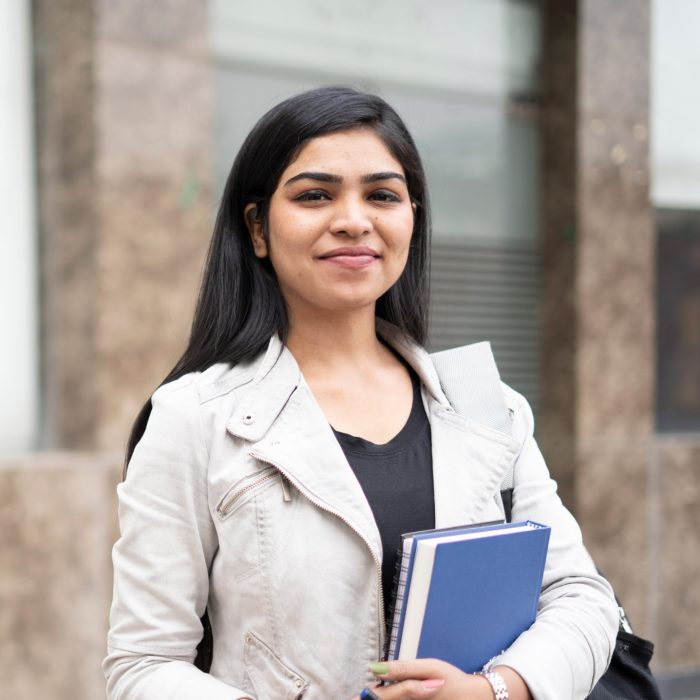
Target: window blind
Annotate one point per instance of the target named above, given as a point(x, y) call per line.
point(489, 291)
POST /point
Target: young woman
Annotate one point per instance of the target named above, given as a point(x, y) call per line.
point(304, 429)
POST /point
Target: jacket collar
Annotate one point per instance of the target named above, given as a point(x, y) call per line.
point(278, 412)
point(278, 376)
point(275, 380)
point(280, 416)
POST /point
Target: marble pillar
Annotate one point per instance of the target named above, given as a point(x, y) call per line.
point(556, 425)
point(598, 252)
point(614, 288)
point(124, 101)
point(634, 491)
point(64, 45)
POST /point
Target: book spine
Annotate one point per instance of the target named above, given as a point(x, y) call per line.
point(400, 579)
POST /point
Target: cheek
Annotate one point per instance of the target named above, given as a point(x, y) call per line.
point(289, 245)
point(403, 233)
point(283, 234)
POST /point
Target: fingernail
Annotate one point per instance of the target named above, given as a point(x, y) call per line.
point(379, 668)
point(433, 683)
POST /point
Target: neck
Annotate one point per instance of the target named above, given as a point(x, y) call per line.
point(333, 340)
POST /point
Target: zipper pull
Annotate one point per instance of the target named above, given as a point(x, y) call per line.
point(286, 494)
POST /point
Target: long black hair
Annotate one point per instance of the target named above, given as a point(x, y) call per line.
point(240, 305)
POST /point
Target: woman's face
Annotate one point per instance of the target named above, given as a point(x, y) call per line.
point(340, 224)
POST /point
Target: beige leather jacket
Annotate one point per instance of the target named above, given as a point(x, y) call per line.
point(239, 499)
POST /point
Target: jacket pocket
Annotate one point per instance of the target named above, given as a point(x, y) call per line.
point(268, 676)
point(244, 489)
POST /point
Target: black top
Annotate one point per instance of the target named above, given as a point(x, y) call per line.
point(397, 478)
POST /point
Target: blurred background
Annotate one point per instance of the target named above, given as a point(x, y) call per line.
point(562, 146)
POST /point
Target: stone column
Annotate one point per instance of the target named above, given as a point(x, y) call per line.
point(155, 172)
point(557, 423)
point(598, 363)
point(64, 42)
point(615, 285)
point(124, 105)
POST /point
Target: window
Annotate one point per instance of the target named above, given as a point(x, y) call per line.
point(462, 73)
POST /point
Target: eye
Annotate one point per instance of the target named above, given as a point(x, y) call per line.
point(385, 196)
point(312, 196)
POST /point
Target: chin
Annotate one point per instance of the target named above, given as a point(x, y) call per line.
point(352, 304)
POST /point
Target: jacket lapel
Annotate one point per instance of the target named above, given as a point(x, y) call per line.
point(279, 415)
point(471, 426)
point(471, 453)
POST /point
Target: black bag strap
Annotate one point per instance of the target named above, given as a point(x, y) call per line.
point(205, 648)
point(507, 499)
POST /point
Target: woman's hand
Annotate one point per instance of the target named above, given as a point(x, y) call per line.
point(437, 680)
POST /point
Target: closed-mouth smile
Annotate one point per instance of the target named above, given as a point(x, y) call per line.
point(351, 256)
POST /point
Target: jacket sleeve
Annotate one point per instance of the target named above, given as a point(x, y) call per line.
point(162, 560)
point(570, 644)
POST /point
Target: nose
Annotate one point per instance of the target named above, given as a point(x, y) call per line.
point(351, 218)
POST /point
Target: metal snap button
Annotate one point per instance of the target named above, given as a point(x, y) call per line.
point(298, 682)
point(248, 418)
point(248, 639)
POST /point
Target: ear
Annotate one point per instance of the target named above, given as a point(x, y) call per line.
point(255, 229)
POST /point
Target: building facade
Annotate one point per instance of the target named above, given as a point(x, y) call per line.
point(552, 239)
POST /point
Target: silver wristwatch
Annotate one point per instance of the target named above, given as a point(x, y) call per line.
point(498, 685)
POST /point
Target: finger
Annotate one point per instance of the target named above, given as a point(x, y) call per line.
point(410, 689)
point(420, 669)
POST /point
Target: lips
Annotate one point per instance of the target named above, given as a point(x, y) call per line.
point(354, 257)
point(351, 251)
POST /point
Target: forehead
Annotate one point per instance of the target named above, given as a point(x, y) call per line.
point(348, 151)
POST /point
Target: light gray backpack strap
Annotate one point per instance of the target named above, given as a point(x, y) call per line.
point(469, 377)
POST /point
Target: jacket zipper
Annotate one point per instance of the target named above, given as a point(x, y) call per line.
point(378, 565)
point(226, 506)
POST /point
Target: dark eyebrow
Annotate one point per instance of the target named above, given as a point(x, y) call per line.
point(320, 177)
point(336, 179)
point(376, 177)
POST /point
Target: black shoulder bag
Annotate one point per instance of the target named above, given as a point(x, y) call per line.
point(628, 677)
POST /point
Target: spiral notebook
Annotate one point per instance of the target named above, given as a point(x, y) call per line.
point(465, 594)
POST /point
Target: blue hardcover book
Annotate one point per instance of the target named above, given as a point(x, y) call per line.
point(471, 593)
point(405, 569)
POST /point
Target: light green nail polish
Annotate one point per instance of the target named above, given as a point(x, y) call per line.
point(379, 668)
